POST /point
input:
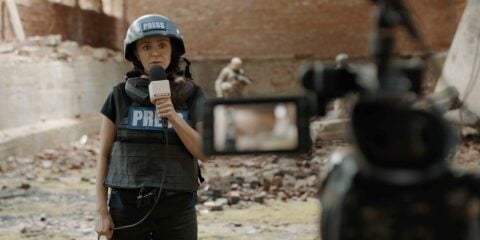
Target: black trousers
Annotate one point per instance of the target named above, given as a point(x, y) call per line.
point(174, 217)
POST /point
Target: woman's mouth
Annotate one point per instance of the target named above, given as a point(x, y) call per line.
point(156, 63)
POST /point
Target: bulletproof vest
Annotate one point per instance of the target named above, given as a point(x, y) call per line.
point(142, 152)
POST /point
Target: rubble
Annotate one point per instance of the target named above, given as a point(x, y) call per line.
point(232, 182)
point(52, 47)
point(329, 130)
point(61, 160)
point(260, 178)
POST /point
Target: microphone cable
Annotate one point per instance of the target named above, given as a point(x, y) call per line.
point(165, 132)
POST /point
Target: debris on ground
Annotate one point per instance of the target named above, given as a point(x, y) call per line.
point(52, 47)
point(232, 182)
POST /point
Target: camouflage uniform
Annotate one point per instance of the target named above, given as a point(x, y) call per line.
point(231, 82)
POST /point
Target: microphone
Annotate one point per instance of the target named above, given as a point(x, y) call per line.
point(159, 86)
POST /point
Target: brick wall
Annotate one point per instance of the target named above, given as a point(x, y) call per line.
point(275, 37)
point(219, 29)
point(293, 29)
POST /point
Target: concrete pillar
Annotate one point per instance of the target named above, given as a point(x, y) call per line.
point(15, 20)
point(462, 67)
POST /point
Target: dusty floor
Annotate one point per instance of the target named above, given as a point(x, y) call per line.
point(63, 208)
point(51, 196)
point(41, 198)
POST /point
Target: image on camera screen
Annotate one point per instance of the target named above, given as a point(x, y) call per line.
point(255, 127)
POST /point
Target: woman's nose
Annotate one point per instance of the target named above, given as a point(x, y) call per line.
point(155, 52)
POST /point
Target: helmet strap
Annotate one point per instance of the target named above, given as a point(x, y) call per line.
point(187, 68)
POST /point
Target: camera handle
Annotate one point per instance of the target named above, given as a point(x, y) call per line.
point(391, 13)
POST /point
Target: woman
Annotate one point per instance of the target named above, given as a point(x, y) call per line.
point(151, 168)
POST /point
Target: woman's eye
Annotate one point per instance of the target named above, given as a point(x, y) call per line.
point(146, 47)
point(162, 45)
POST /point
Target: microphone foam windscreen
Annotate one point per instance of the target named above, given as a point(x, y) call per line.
point(157, 73)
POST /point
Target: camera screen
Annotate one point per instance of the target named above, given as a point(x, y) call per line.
point(255, 127)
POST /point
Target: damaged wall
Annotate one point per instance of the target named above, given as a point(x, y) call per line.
point(52, 91)
point(48, 103)
point(42, 17)
point(274, 37)
point(44, 91)
point(52, 87)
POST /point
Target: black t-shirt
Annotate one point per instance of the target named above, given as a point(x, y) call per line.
point(198, 98)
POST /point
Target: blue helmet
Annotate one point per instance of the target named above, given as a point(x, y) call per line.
point(151, 25)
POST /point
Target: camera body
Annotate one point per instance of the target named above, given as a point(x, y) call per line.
point(358, 206)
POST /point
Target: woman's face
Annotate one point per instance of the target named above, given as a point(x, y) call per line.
point(154, 50)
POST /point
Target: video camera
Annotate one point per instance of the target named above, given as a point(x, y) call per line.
point(396, 183)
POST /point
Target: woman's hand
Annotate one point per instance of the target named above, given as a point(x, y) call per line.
point(104, 225)
point(190, 138)
point(103, 222)
point(164, 107)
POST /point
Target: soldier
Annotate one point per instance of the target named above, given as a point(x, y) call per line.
point(232, 80)
point(150, 168)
